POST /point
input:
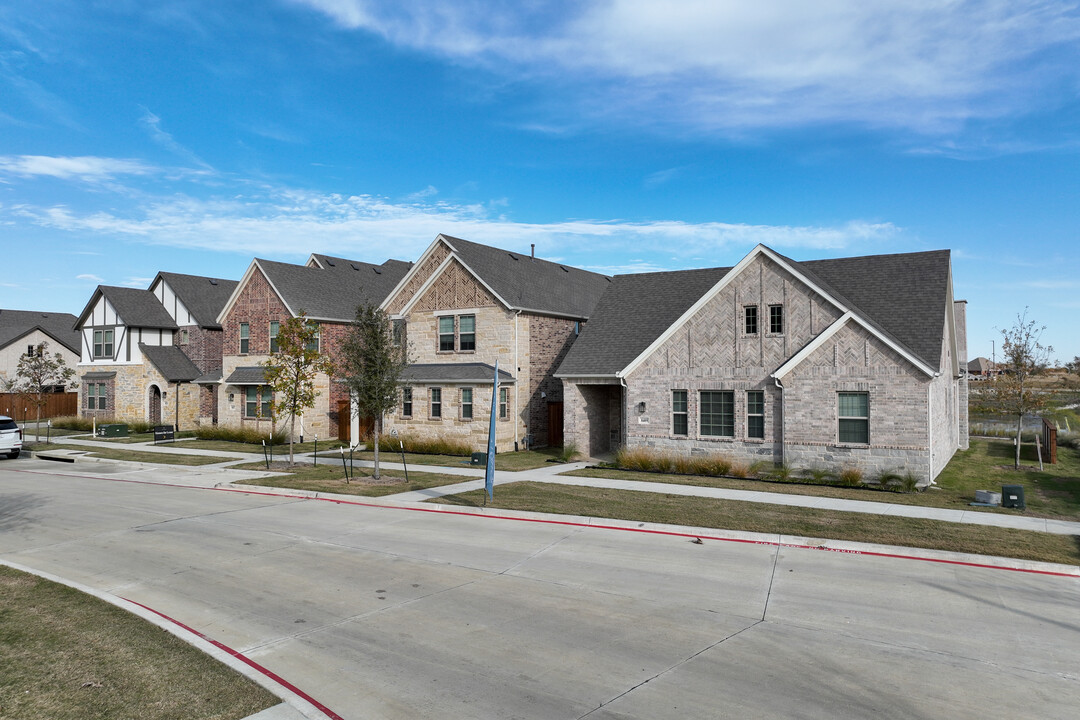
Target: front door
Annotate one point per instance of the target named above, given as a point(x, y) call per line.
point(555, 420)
point(155, 405)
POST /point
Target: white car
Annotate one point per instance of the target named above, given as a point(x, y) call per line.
point(10, 437)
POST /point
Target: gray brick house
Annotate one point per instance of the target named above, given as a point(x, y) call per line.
point(143, 350)
point(462, 307)
point(852, 361)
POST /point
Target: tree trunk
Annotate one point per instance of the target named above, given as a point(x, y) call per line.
point(375, 435)
point(292, 430)
point(1019, 427)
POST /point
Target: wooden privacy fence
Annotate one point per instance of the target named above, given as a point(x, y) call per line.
point(22, 408)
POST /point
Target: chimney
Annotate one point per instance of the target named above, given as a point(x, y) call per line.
point(532, 252)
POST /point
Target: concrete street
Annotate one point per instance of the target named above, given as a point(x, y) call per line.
point(386, 612)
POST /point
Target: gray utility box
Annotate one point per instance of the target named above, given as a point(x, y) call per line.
point(987, 497)
point(112, 430)
point(479, 459)
point(1012, 496)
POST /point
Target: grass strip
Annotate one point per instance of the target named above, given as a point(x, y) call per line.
point(330, 478)
point(143, 456)
point(510, 461)
point(65, 655)
point(779, 519)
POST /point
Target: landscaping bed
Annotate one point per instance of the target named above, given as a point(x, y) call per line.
point(330, 478)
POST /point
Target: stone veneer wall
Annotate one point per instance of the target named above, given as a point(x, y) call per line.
point(550, 339)
point(129, 396)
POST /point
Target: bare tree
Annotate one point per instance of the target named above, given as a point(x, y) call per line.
point(371, 364)
point(291, 371)
point(36, 375)
point(1024, 357)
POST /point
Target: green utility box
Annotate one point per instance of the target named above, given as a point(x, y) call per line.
point(112, 430)
point(479, 459)
point(1012, 496)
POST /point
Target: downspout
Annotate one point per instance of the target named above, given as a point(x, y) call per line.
point(930, 430)
point(624, 414)
point(783, 421)
point(176, 404)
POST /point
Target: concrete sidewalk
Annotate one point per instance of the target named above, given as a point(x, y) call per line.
point(553, 473)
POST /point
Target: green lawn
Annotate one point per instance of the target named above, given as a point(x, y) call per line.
point(765, 518)
point(329, 477)
point(987, 465)
point(143, 456)
point(69, 656)
point(510, 461)
point(279, 450)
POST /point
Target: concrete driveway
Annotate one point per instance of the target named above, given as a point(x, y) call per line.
point(381, 612)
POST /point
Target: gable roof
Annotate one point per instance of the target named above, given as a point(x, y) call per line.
point(204, 297)
point(137, 308)
point(634, 311)
point(171, 362)
point(330, 262)
point(15, 324)
point(900, 298)
point(330, 293)
point(523, 282)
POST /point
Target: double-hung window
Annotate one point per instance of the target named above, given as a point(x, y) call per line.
point(776, 319)
point(854, 418)
point(679, 425)
point(718, 413)
point(502, 403)
point(397, 332)
point(257, 402)
point(436, 402)
point(406, 401)
point(750, 319)
point(95, 396)
point(245, 338)
point(446, 333)
point(466, 403)
point(467, 332)
point(313, 344)
point(275, 328)
point(755, 413)
point(103, 343)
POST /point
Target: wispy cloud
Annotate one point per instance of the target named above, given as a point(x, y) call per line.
point(82, 168)
point(152, 124)
point(137, 282)
point(727, 66)
point(281, 221)
point(90, 278)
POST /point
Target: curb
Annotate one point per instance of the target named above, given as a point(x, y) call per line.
point(300, 705)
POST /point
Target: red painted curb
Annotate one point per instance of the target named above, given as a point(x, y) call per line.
point(246, 660)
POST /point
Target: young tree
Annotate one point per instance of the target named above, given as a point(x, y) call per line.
point(36, 374)
point(371, 365)
point(290, 372)
point(1024, 357)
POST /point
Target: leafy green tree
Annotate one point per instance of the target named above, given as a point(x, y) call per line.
point(1024, 357)
point(291, 371)
point(36, 374)
point(371, 365)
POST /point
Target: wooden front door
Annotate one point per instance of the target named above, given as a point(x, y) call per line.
point(344, 421)
point(555, 426)
point(155, 405)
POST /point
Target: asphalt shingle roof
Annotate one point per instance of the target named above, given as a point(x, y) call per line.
point(903, 296)
point(136, 308)
point(478, 373)
point(634, 311)
point(333, 293)
point(531, 283)
point(204, 297)
point(171, 362)
point(15, 324)
point(247, 375)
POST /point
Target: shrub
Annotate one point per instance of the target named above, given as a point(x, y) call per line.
point(781, 473)
point(569, 452)
point(819, 476)
point(909, 482)
point(714, 464)
point(423, 446)
point(634, 458)
point(239, 434)
point(739, 470)
point(70, 422)
point(850, 476)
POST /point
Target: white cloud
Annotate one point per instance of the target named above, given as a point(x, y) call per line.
point(729, 65)
point(137, 282)
point(152, 124)
point(82, 168)
point(90, 278)
point(278, 222)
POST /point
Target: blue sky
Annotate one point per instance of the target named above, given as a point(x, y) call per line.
point(620, 136)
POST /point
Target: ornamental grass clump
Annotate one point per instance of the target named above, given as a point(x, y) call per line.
point(423, 446)
point(850, 476)
point(240, 434)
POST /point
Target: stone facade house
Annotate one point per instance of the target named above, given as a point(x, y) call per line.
point(465, 306)
point(21, 331)
point(142, 351)
point(328, 290)
point(827, 363)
